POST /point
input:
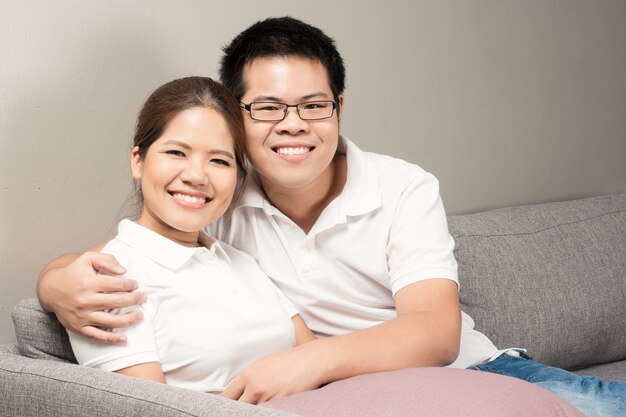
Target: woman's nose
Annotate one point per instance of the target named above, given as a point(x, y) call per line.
point(195, 173)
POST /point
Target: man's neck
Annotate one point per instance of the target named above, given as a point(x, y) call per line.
point(305, 205)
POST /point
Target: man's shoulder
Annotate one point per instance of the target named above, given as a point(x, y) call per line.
point(395, 175)
point(236, 229)
point(387, 167)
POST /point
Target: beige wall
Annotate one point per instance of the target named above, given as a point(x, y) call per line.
point(506, 101)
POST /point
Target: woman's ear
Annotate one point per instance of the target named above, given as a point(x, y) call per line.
point(136, 163)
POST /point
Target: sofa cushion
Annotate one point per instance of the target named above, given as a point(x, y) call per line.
point(614, 371)
point(550, 278)
point(43, 388)
point(39, 334)
point(427, 392)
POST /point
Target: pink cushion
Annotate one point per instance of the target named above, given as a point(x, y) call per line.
point(431, 392)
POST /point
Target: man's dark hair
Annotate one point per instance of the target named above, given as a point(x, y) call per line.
point(280, 36)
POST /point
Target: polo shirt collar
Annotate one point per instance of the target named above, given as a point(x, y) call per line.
point(253, 196)
point(162, 250)
point(360, 195)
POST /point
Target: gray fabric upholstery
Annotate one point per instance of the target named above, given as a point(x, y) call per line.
point(44, 388)
point(548, 277)
point(39, 334)
point(614, 371)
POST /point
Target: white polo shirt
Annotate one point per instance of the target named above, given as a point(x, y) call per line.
point(386, 230)
point(210, 311)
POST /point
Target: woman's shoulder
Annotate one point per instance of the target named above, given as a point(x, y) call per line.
point(121, 250)
point(129, 257)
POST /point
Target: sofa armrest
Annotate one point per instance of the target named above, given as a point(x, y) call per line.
point(45, 388)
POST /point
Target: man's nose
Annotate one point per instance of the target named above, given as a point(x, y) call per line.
point(292, 123)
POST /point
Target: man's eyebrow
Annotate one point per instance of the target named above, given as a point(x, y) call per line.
point(307, 97)
point(314, 96)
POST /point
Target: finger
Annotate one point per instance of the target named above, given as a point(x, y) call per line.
point(114, 321)
point(104, 262)
point(266, 397)
point(103, 335)
point(107, 283)
point(249, 397)
point(108, 301)
point(234, 389)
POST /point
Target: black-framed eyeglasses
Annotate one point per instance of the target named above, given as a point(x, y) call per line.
point(271, 111)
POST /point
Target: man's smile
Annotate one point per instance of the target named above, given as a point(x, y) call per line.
point(292, 150)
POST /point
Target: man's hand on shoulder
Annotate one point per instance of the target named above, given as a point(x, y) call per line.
point(71, 287)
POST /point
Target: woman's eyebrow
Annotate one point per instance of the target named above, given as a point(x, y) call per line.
point(222, 152)
point(187, 146)
point(177, 142)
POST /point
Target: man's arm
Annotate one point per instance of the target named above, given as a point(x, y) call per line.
point(427, 332)
point(70, 287)
point(303, 333)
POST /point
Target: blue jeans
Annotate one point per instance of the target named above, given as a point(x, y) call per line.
point(592, 396)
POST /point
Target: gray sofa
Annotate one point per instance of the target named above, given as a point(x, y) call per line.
point(550, 278)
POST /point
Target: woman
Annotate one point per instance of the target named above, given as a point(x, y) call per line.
point(210, 311)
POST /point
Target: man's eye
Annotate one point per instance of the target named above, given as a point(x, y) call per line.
point(175, 152)
point(315, 106)
point(267, 108)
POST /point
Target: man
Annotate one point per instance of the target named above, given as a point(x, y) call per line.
point(357, 241)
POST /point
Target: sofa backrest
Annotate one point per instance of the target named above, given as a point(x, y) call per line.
point(550, 278)
point(39, 334)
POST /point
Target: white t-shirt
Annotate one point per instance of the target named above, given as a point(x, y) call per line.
point(210, 311)
point(386, 230)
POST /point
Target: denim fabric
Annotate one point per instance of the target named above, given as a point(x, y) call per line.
point(592, 396)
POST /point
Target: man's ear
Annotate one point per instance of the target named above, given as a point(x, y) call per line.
point(340, 101)
point(136, 163)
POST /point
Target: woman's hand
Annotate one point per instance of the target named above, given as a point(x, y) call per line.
point(71, 287)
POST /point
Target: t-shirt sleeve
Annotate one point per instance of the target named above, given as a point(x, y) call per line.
point(420, 246)
point(287, 305)
point(141, 345)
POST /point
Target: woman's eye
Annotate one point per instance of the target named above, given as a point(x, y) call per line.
point(220, 162)
point(175, 152)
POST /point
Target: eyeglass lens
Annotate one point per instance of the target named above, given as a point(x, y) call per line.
point(310, 110)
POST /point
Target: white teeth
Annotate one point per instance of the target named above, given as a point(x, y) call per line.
point(189, 199)
point(293, 151)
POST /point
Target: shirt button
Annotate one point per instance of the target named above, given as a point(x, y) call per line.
point(305, 251)
point(235, 291)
